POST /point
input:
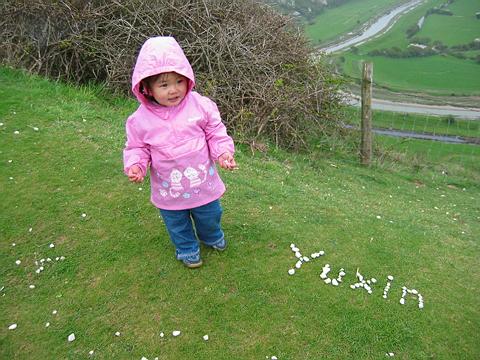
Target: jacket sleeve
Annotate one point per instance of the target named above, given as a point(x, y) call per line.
point(136, 152)
point(215, 131)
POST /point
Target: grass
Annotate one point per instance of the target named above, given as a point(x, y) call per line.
point(337, 21)
point(119, 272)
point(440, 74)
point(418, 123)
point(466, 25)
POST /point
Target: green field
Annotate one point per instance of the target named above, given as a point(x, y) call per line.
point(340, 20)
point(62, 183)
point(438, 74)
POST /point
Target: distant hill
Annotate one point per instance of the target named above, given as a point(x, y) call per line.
point(303, 10)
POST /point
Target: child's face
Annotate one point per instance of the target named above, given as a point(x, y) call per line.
point(169, 89)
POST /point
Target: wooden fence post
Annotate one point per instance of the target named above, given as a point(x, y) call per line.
point(366, 144)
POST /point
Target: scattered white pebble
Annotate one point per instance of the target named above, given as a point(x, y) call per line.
point(10, 161)
point(71, 337)
point(18, 262)
point(274, 358)
point(162, 334)
point(12, 327)
point(291, 271)
point(390, 354)
point(117, 333)
point(30, 230)
point(84, 215)
point(205, 337)
point(379, 217)
point(16, 132)
point(143, 358)
point(47, 324)
point(90, 352)
point(176, 332)
point(390, 277)
point(13, 244)
point(35, 128)
point(402, 301)
point(54, 312)
point(140, 189)
point(51, 246)
point(32, 286)
point(10, 178)
point(1, 124)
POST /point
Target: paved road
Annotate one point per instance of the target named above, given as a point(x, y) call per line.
point(401, 107)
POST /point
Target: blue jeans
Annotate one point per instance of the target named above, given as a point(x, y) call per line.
point(184, 226)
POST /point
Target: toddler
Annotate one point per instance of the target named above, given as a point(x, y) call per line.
point(179, 134)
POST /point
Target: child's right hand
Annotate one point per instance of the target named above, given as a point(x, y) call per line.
point(135, 174)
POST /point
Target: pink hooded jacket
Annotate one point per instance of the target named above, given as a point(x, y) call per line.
point(180, 143)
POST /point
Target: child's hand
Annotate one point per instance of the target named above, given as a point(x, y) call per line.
point(227, 161)
point(135, 174)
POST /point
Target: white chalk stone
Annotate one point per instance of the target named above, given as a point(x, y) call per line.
point(306, 259)
point(334, 282)
point(47, 324)
point(143, 358)
point(390, 277)
point(291, 271)
point(373, 280)
point(323, 276)
point(295, 249)
point(13, 244)
point(162, 334)
point(321, 253)
point(402, 301)
point(12, 327)
point(32, 286)
point(298, 265)
point(414, 292)
point(51, 246)
point(117, 333)
point(205, 337)
point(35, 128)
point(16, 132)
point(54, 312)
point(18, 262)
point(298, 255)
point(274, 358)
point(176, 332)
point(352, 286)
point(90, 352)
point(327, 280)
point(71, 337)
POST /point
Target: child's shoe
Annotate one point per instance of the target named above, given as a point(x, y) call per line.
point(193, 261)
point(222, 245)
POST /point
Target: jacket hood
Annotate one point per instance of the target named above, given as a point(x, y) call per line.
point(158, 55)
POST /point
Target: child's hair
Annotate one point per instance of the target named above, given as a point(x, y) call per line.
point(146, 84)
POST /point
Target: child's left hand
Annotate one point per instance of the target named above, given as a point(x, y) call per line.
point(227, 161)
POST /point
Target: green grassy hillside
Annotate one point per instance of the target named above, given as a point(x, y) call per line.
point(445, 73)
point(338, 21)
point(62, 183)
